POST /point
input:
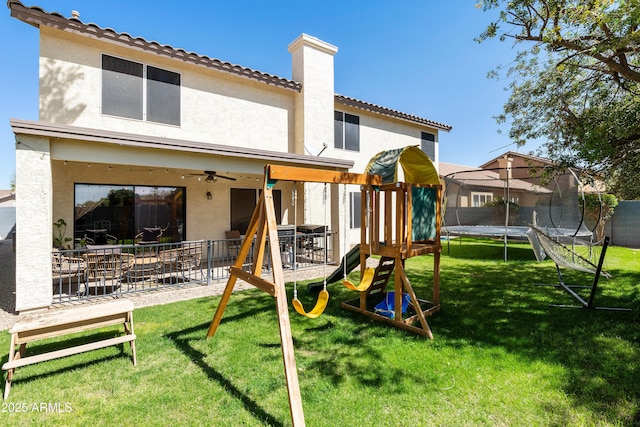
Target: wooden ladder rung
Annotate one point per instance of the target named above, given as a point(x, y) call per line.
point(23, 361)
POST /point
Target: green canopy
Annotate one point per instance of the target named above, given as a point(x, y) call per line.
point(417, 169)
point(416, 166)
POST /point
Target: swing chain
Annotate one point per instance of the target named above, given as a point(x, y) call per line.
point(345, 238)
point(324, 267)
point(294, 203)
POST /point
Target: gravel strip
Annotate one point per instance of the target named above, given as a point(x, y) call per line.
point(8, 315)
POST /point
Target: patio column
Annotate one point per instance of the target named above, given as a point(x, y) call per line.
point(33, 223)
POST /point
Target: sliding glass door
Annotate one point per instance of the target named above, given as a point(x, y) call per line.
point(116, 213)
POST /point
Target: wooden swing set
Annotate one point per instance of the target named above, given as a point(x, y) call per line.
point(398, 245)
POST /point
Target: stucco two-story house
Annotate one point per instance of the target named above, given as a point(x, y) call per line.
point(138, 123)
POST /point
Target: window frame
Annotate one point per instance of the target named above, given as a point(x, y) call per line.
point(145, 94)
point(181, 219)
point(355, 207)
point(479, 194)
point(428, 139)
point(346, 136)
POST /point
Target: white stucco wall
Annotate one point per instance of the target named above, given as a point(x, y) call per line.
point(33, 223)
point(216, 107)
point(313, 65)
point(378, 134)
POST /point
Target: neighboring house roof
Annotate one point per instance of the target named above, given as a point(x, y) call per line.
point(482, 178)
point(52, 130)
point(37, 16)
point(366, 106)
point(531, 158)
point(448, 168)
point(598, 185)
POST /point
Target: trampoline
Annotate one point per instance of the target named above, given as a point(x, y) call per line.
point(512, 232)
point(502, 202)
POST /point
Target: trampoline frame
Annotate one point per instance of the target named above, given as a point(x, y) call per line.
point(514, 231)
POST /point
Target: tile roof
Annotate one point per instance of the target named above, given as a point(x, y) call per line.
point(373, 108)
point(530, 157)
point(486, 178)
point(37, 16)
point(449, 168)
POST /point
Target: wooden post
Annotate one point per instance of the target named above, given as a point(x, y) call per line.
point(282, 306)
point(231, 282)
point(263, 223)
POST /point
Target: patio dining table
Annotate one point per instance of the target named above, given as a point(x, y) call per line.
point(146, 267)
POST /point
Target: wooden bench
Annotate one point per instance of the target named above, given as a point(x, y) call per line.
point(59, 323)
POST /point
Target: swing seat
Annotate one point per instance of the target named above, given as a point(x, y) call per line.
point(386, 306)
point(367, 280)
point(321, 304)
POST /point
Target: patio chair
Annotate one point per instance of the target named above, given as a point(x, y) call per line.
point(146, 267)
point(105, 269)
point(67, 273)
point(189, 260)
point(177, 264)
point(168, 263)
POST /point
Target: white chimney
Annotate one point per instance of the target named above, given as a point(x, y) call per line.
point(312, 65)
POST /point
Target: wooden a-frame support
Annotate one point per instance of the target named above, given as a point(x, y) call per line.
point(263, 223)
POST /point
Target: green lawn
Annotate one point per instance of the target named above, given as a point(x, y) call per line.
point(500, 356)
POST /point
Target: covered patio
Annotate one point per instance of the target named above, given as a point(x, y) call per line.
point(140, 207)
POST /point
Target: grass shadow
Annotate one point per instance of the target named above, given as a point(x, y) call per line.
point(183, 341)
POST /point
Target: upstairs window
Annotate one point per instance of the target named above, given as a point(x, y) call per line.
point(346, 131)
point(428, 145)
point(137, 91)
point(163, 96)
point(122, 88)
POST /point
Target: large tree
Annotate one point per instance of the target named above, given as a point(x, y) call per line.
point(575, 82)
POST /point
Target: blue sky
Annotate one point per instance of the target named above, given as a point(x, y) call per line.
point(415, 56)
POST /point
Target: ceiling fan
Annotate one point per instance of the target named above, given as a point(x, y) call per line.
point(212, 176)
